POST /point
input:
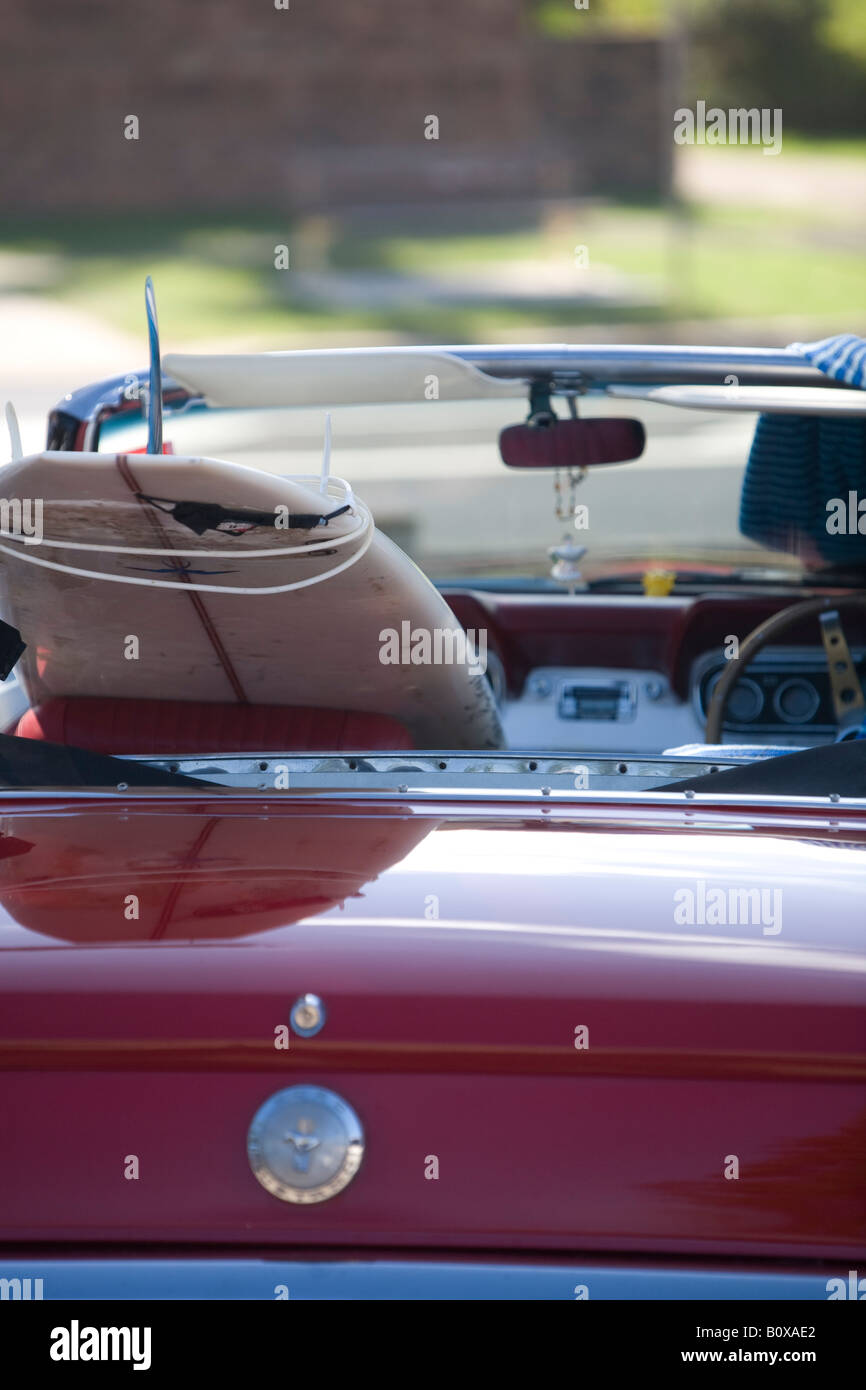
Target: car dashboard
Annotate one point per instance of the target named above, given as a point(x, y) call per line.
point(622, 674)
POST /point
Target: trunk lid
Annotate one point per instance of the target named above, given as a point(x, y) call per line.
point(561, 1029)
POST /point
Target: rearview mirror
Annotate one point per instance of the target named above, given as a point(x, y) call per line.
point(572, 443)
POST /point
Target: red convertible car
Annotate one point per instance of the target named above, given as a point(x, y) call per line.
point(454, 893)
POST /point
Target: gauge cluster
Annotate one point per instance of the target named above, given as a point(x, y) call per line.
point(785, 690)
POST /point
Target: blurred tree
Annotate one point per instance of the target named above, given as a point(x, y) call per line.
point(782, 53)
point(561, 18)
point(806, 56)
point(844, 29)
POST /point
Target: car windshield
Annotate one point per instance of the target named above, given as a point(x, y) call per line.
point(434, 480)
point(561, 584)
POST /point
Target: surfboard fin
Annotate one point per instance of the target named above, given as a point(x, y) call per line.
point(14, 433)
point(154, 394)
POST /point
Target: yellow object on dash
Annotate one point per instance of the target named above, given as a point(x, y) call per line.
point(658, 583)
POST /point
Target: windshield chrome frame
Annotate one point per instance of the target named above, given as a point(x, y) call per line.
point(76, 422)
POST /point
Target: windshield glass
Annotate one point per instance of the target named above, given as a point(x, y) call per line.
point(419, 618)
point(433, 478)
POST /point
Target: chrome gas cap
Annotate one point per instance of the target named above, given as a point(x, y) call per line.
point(305, 1144)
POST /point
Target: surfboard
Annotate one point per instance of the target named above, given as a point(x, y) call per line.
point(147, 580)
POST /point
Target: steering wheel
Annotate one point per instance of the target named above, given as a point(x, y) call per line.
point(848, 702)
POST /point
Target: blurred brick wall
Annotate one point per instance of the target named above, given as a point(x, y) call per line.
point(606, 108)
point(319, 105)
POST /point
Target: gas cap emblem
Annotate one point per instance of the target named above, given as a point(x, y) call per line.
point(305, 1144)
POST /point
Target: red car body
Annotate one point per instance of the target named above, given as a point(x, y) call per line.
point(598, 1038)
point(507, 991)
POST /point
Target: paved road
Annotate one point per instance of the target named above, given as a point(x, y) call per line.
point(836, 183)
point(46, 349)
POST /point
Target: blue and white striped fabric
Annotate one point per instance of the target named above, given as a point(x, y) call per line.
point(799, 463)
point(843, 357)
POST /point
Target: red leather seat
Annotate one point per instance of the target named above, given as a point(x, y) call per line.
point(154, 727)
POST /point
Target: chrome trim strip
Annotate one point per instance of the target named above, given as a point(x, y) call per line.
point(686, 809)
point(669, 364)
point(533, 774)
point(380, 1279)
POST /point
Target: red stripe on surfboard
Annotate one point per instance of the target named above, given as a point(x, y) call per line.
point(194, 597)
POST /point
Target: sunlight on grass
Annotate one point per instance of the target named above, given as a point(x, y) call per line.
point(216, 279)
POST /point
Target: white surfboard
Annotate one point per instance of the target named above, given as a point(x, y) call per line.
point(120, 598)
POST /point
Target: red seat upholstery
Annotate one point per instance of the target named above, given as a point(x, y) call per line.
point(154, 727)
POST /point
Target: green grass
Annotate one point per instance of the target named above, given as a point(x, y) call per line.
point(851, 147)
point(844, 146)
point(215, 277)
point(709, 262)
point(730, 263)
